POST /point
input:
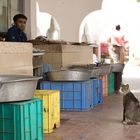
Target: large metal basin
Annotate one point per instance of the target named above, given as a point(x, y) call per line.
point(17, 88)
point(68, 75)
point(95, 72)
point(93, 69)
point(117, 67)
point(105, 69)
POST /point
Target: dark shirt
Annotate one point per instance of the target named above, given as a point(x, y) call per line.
point(14, 34)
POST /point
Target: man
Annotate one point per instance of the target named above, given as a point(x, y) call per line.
point(117, 46)
point(16, 33)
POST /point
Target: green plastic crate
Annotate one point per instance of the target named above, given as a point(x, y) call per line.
point(111, 83)
point(21, 120)
point(111, 77)
point(111, 89)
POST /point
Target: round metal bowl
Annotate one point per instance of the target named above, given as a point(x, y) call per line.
point(96, 70)
point(105, 69)
point(68, 75)
point(17, 88)
point(94, 73)
point(117, 67)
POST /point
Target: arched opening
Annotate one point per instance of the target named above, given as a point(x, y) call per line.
point(92, 27)
point(47, 25)
point(54, 30)
point(99, 25)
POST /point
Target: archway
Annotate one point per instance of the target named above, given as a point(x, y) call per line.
point(47, 25)
point(101, 23)
point(69, 14)
point(92, 25)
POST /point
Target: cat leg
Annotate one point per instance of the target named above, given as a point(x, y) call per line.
point(124, 122)
point(123, 115)
point(131, 122)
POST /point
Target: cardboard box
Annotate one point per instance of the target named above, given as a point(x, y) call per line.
point(63, 56)
point(16, 58)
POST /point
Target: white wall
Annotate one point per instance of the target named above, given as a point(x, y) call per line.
point(68, 13)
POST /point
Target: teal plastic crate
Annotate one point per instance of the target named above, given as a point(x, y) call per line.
point(111, 83)
point(111, 90)
point(111, 77)
point(21, 120)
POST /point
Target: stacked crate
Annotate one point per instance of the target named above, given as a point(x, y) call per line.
point(111, 83)
point(97, 92)
point(75, 96)
point(21, 120)
point(51, 108)
point(104, 79)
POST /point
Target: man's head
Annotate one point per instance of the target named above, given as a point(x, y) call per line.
point(20, 21)
point(118, 27)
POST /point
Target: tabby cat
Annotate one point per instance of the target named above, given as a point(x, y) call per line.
point(131, 106)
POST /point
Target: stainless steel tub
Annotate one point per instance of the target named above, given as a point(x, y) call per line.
point(105, 69)
point(101, 69)
point(117, 67)
point(95, 72)
point(68, 75)
point(17, 88)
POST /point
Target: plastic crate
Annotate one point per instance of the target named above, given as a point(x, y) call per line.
point(111, 77)
point(100, 91)
point(21, 120)
point(75, 96)
point(111, 84)
point(51, 107)
point(105, 92)
point(104, 85)
point(111, 90)
point(97, 92)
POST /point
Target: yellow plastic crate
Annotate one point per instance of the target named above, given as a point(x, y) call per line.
point(51, 107)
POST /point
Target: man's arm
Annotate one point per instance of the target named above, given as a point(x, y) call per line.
point(25, 38)
point(11, 36)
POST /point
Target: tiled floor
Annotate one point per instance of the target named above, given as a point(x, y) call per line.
point(101, 123)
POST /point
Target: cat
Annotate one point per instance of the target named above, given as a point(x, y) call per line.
point(131, 106)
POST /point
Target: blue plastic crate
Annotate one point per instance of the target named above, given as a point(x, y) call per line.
point(97, 92)
point(75, 96)
point(21, 120)
point(100, 91)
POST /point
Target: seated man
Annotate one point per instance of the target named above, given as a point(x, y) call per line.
point(16, 33)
